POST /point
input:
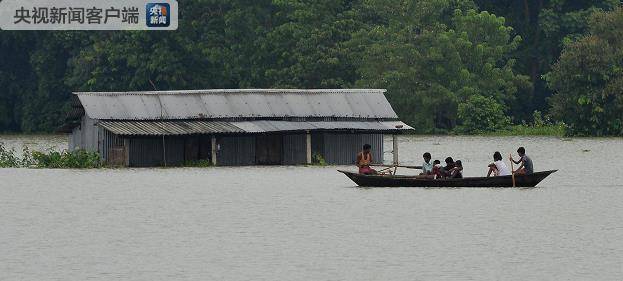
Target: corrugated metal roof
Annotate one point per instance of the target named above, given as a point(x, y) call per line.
point(190, 127)
point(247, 103)
point(168, 128)
point(263, 126)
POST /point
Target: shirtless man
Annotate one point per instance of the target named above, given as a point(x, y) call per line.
point(364, 159)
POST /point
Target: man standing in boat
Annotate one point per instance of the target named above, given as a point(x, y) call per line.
point(364, 159)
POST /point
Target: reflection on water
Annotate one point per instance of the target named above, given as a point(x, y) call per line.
point(309, 223)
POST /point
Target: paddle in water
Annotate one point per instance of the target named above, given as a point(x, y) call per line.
point(512, 169)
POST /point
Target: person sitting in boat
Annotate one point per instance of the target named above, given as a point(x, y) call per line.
point(447, 170)
point(437, 169)
point(526, 167)
point(364, 159)
point(427, 166)
point(457, 171)
point(498, 167)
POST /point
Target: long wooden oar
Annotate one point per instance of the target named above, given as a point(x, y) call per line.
point(399, 166)
point(512, 169)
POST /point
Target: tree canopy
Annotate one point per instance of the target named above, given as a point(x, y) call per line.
point(442, 61)
point(588, 79)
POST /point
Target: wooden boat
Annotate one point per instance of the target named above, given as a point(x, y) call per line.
point(412, 181)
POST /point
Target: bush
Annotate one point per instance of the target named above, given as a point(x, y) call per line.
point(556, 130)
point(8, 158)
point(317, 159)
point(80, 159)
point(481, 114)
point(538, 120)
point(27, 159)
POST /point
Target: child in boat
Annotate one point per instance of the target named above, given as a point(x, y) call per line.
point(526, 167)
point(364, 159)
point(498, 167)
point(457, 171)
point(447, 170)
point(437, 169)
point(427, 166)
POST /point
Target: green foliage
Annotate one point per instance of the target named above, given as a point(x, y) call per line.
point(545, 26)
point(556, 130)
point(552, 130)
point(481, 114)
point(27, 158)
point(16, 77)
point(588, 79)
point(8, 158)
point(306, 50)
point(537, 118)
point(77, 159)
point(434, 55)
point(431, 55)
point(317, 159)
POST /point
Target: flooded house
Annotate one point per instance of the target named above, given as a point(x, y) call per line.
point(231, 127)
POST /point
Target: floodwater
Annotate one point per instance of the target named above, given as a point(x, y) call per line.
point(310, 223)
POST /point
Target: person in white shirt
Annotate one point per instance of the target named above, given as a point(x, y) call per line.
point(427, 166)
point(498, 167)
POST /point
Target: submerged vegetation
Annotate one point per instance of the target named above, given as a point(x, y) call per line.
point(54, 159)
point(557, 130)
point(539, 127)
point(8, 158)
point(318, 160)
point(78, 159)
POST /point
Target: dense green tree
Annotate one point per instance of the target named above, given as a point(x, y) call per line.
point(214, 47)
point(45, 106)
point(306, 48)
point(482, 114)
point(545, 26)
point(15, 77)
point(434, 55)
point(227, 44)
point(32, 73)
point(588, 79)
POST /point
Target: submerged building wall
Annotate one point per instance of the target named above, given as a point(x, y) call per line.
point(85, 136)
point(336, 148)
point(294, 149)
point(170, 151)
point(148, 152)
point(235, 151)
point(342, 148)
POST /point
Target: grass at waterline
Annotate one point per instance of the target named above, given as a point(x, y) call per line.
point(514, 130)
point(53, 159)
point(557, 130)
point(78, 159)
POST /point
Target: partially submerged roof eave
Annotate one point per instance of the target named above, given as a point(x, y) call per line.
point(195, 127)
